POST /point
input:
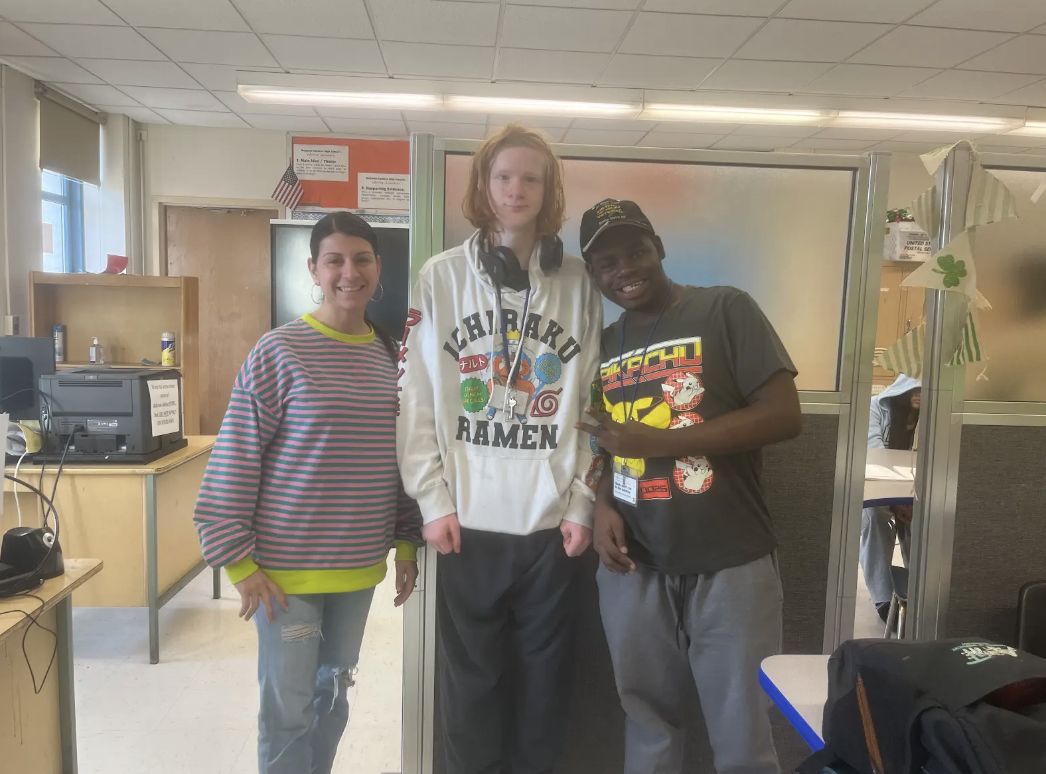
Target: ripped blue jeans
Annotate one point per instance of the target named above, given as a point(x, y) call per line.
point(306, 661)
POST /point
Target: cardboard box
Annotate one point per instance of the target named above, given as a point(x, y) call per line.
point(905, 241)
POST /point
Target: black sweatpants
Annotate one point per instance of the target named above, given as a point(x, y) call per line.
point(506, 607)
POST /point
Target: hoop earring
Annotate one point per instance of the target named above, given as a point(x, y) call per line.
point(313, 294)
point(381, 294)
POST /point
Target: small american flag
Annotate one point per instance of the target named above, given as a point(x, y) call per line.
point(289, 191)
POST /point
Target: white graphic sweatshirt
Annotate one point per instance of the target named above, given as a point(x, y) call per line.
point(504, 459)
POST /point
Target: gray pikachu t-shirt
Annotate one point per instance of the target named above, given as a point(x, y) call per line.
point(709, 352)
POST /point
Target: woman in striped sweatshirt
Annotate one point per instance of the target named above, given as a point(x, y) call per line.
point(302, 499)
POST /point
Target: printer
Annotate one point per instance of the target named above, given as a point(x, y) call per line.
point(115, 415)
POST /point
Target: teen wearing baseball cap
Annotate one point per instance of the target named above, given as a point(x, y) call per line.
point(695, 382)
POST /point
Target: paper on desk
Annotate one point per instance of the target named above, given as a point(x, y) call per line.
point(882, 473)
point(165, 406)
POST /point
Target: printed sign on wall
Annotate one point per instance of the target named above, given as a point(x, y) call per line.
point(344, 174)
point(321, 162)
point(165, 406)
point(384, 192)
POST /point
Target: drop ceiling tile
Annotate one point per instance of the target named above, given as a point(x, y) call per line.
point(444, 117)
point(340, 18)
point(52, 68)
point(1014, 141)
point(715, 7)
point(852, 80)
point(810, 41)
point(893, 146)
point(824, 143)
point(669, 34)
point(680, 140)
point(926, 47)
point(892, 11)
point(658, 72)
point(364, 128)
point(228, 48)
point(602, 137)
point(438, 61)
point(175, 99)
point(1025, 54)
point(624, 124)
point(288, 123)
point(740, 142)
point(423, 21)
point(238, 104)
point(563, 29)
point(97, 95)
point(203, 118)
point(696, 127)
point(872, 135)
point(69, 11)
point(360, 114)
point(538, 122)
point(14, 42)
point(607, 5)
point(553, 135)
point(969, 85)
point(935, 137)
point(750, 75)
point(1002, 15)
point(222, 77)
point(450, 131)
point(1034, 94)
point(352, 56)
point(139, 114)
point(986, 148)
point(517, 64)
point(772, 130)
point(80, 41)
point(120, 72)
point(182, 14)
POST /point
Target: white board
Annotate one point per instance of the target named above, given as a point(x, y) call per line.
point(165, 406)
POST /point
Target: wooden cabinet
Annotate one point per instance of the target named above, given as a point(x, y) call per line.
point(900, 310)
point(128, 314)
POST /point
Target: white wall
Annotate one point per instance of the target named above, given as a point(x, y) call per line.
point(204, 166)
point(908, 179)
point(20, 212)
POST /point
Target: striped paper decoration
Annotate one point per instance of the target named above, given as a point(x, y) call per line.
point(905, 356)
point(990, 200)
point(969, 350)
point(926, 212)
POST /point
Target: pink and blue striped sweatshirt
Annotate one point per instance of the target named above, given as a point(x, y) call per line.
point(303, 480)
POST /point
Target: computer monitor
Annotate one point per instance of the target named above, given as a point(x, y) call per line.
point(23, 360)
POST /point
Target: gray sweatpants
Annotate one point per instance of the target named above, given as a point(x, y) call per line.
point(878, 540)
point(718, 628)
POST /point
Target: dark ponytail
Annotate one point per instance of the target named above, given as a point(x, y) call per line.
point(350, 224)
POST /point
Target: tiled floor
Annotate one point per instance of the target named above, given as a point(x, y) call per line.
point(867, 623)
point(196, 711)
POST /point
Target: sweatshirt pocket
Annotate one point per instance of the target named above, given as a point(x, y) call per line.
point(514, 496)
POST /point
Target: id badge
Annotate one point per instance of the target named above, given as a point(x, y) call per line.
point(626, 488)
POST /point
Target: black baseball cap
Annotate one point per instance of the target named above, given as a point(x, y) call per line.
point(608, 214)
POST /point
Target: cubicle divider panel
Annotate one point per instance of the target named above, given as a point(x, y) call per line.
point(792, 231)
point(1000, 528)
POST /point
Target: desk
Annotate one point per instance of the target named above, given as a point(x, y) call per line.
point(798, 685)
point(124, 515)
point(889, 477)
point(38, 731)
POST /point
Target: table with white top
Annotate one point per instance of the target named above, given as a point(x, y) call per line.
point(889, 477)
point(798, 685)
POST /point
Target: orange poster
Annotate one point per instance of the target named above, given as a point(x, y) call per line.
point(336, 174)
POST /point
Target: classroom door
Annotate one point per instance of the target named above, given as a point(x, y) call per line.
point(229, 251)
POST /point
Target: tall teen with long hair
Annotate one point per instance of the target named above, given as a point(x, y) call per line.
point(499, 356)
point(302, 500)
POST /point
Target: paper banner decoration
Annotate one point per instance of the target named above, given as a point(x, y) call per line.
point(990, 200)
point(934, 159)
point(926, 212)
point(1038, 193)
point(969, 346)
point(950, 269)
point(906, 355)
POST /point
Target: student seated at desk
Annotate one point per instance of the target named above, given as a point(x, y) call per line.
point(892, 423)
point(302, 499)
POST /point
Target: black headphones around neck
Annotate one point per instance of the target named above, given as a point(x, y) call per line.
point(502, 264)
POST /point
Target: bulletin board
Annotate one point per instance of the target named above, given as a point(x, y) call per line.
point(343, 174)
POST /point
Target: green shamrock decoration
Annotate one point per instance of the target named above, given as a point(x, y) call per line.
point(952, 270)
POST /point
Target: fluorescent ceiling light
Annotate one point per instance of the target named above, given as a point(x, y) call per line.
point(916, 121)
point(271, 95)
point(1031, 129)
point(732, 115)
point(542, 107)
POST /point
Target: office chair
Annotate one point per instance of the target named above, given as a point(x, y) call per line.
point(1031, 618)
